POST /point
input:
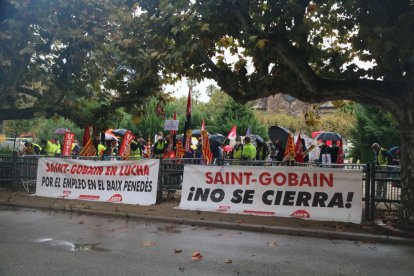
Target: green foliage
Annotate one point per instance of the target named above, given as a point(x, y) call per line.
point(72, 58)
point(232, 113)
point(42, 128)
point(372, 126)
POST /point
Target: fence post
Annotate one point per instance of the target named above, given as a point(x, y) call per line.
point(372, 193)
point(14, 169)
point(367, 189)
point(160, 181)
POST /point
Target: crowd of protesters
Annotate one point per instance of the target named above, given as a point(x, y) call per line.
point(162, 148)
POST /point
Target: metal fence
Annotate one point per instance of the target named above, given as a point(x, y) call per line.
point(381, 187)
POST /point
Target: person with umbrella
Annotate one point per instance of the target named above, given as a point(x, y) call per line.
point(324, 151)
point(334, 150)
point(277, 153)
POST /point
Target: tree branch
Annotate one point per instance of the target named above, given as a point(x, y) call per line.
point(29, 91)
point(17, 114)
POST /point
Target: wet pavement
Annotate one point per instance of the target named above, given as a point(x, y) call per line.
point(37, 242)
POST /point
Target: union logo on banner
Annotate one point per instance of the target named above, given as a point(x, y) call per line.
point(188, 140)
point(67, 143)
point(126, 141)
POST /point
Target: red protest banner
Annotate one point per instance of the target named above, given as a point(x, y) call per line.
point(67, 143)
point(126, 141)
point(188, 137)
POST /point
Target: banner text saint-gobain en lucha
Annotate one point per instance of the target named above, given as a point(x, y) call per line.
point(312, 193)
point(130, 182)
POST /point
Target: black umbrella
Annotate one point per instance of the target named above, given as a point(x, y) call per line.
point(278, 133)
point(217, 137)
point(119, 131)
point(196, 132)
point(259, 139)
point(394, 150)
point(328, 135)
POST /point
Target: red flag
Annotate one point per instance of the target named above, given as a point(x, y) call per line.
point(299, 150)
point(86, 136)
point(290, 148)
point(232, 134)
point(180, 150)
point(208, 156)
point(341, 155)
point(202, 125)
point(188, 137)
point(126, 141)
point(67, 143)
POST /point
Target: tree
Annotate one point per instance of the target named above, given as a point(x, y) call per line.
point(303, 48)
point(71, 58)
point(372, 125)
point(232, 113)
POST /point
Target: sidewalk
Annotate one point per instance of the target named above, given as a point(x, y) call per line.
point(165, 212)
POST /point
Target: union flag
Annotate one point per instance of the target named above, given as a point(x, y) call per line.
point(290, 149)
point(299, 150)
point(88, 149)
point(208, 156)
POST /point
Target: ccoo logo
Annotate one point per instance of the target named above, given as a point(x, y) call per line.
point(300, 214)
point(116, 198)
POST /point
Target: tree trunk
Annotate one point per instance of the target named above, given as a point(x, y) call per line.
point(406, 122)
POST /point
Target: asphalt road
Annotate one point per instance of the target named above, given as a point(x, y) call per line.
point(36, 242)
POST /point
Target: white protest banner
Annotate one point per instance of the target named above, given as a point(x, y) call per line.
point(129, 182)
point(302, 192)
point(171, 125)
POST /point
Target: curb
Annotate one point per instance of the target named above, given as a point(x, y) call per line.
point(399, 232)
point(325, 234)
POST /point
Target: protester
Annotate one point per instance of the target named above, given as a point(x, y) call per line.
point(261, 151)
point(237, 151)
point(159, 147)
point(137, 148)
point(396, 154)
point(334, 150)
point(199, 149)
point(58, 146)
point(382, 159)
point(75, 148)
point(108, 151)
point(48, 148)
point(306, 157)
point(31, 148)
point(100, 149)
point(278, 152)
point(249, 150)
point(324, 149)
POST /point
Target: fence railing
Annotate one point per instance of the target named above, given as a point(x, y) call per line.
point(379, 184)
